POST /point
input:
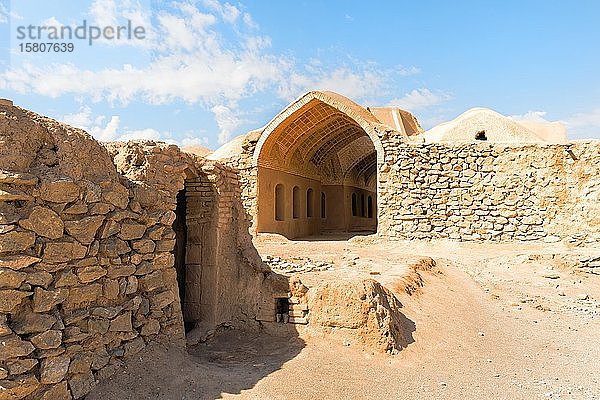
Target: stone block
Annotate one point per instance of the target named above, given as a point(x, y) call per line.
point(10, 299)
point(59, 391)
point(85, 229)
point(44, 300)
point(59, 191)
point(122, 323)
point(10, 279)
point(44, 222)
point(16, 241)
point(60, 252)
point(13, 346)
point(47, 340)
point(54, 369)
point(90, 274)
point(130, 231)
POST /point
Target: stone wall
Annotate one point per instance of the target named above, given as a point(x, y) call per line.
point(491, 192)
point(476, 191)
point(87, 274)
point(86, 270)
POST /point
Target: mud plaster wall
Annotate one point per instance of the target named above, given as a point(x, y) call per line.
point(490, 192)
point(86, 265)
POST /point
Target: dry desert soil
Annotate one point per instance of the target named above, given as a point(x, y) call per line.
point(490, 321)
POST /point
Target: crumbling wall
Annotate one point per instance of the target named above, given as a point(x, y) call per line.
point(360, 311)
point(491, 192)
point(87, 273)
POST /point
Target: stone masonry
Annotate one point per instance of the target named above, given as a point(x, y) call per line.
point(87, 273)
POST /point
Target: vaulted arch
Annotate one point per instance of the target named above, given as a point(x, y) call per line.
point(323, 141)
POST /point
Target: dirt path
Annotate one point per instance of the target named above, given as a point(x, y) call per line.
point(500, 321)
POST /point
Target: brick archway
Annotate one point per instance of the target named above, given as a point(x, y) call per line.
point(322, 142)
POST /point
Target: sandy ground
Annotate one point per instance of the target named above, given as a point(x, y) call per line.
point(495, 321)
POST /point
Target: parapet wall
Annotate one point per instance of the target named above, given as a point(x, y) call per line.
point(490, 192)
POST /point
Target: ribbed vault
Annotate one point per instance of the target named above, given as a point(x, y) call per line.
point(319, 141)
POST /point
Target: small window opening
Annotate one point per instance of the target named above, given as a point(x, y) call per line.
point(279, 203)
point(309, 203)
point(362, 205)
point(480, 136)
point(322, 205)
point(296, 202)
point(282, 307)
point(370, 207)
point(354, 205)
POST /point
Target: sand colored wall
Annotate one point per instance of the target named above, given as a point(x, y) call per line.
point(491, 191)
point(289, 227)
point(359, 222)
point(87, 274)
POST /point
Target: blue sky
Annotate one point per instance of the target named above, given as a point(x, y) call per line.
point(207, 71)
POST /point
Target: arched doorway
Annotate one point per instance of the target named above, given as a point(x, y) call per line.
point(325, 143)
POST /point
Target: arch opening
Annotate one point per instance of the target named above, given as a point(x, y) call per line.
point(318, 147)
point(310, 206)
point(279, 202)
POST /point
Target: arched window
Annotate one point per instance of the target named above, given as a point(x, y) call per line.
point(370, 207)
point(296, 202)
point(309, 203)
point(362, 205)
point(279, 202)
point(354, 204)
point(323, 205)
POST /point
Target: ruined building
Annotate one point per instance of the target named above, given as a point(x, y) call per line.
point(105, 248)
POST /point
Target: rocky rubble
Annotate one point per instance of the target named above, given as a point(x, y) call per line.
point(296, 265)
point(591, 265)
point(363, 312)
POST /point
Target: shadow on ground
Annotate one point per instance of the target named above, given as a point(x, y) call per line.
point(228, 364)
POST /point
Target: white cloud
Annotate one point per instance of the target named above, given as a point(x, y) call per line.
point(4, 15)
point(531, 116)
point(104, 12)
point(358, 81)
point(228, 121)
point(228, 12)
point(192, 141)
point(195, 62)
point(112, 131)
point(52, 21)
point(419, 99)
point(584, 125)
point(109, 132)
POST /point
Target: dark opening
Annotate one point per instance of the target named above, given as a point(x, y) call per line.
point(180, 228)
point(354, 204)
point(370, 207)
point(279, 202)
point(362, 205)
point(480, 136)
point(282, 309)
point(309, 203)
point(322, 205)
point(296, 202)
